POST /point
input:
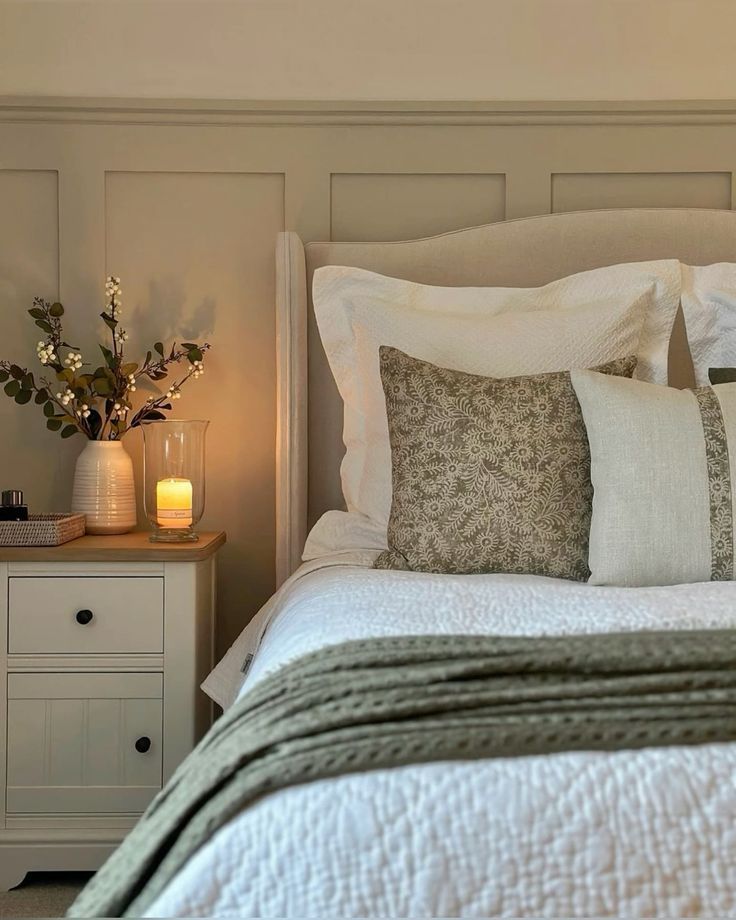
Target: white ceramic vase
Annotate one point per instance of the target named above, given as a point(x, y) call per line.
point(103, 488)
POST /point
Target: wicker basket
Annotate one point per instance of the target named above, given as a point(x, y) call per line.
point(42, 530)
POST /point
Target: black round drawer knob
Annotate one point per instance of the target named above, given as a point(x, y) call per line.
point(84, 617)
point(143, 745)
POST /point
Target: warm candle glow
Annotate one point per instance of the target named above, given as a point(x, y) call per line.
point(174, 502)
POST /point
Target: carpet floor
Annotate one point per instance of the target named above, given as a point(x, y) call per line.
point(42, 894)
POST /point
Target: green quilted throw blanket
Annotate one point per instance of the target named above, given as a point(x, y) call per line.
point(391, 701)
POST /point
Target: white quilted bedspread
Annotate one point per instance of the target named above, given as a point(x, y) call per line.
point(623, 834)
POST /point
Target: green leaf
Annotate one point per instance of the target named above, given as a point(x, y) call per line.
point(94, 421)
point(153, 415)
point(23, 397)
point(53, 424)
point(42, 396)
point(79, 392)
point(159, 348)
point(102, 386)
point(108, 356)
point(4, 376)
point(28, 383)
point(148, 357)
point(130, 368)
point(48, 409)
point(47, 327)
point(65, 374)
point(109, 321)
point(188, 345)
point(16, 371)
point(37, 314)
point(12, 388)
point(158, 375)
point(69, 431)
point(56, 309)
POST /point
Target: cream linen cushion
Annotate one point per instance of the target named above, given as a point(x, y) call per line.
point(662, 466)
point(584, 320)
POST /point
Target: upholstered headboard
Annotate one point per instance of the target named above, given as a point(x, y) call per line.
point(517, 253)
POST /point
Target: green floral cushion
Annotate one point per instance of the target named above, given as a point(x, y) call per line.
point(489, 474)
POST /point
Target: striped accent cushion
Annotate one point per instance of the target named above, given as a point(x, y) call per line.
point(663, 463)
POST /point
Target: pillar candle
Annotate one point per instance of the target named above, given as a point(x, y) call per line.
point(174, 502)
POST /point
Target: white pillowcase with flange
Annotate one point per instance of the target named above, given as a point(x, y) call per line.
point(577, 322)
point(709, 308)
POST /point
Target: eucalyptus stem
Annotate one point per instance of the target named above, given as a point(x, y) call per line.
point(96, 402)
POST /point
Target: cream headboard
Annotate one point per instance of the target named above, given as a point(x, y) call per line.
point(517, 253)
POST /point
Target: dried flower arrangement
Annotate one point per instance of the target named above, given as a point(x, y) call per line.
point(98, 403)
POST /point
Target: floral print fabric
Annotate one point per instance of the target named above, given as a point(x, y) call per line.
point(719, 485)
point(489, 474)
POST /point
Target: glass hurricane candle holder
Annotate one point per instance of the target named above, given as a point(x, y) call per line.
point(174, 478)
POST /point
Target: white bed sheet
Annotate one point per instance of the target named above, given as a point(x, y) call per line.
point(643, 833)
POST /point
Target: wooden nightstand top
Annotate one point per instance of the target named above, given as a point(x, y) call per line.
point(129, 547)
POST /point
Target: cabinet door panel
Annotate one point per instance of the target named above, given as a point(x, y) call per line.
point(65, 740)
point(76, 753)
point(27, 726)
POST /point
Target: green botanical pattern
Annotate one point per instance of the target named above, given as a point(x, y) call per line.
point(489, 475)
point(719, 485)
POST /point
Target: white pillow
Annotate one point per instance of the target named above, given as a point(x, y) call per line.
point(709, 307)
point(576, 322)
point(342, 532)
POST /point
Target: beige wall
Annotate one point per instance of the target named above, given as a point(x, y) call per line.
point(185, 205)
point(370, 49)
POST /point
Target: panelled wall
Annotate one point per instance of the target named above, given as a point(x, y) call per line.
point(184, 203)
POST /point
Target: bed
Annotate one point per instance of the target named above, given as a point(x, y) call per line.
point(579, 833)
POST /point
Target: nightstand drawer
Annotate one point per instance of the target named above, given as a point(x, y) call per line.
point(85, 615)
point(83, 742)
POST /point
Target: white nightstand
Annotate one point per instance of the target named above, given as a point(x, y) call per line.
point(103, 644)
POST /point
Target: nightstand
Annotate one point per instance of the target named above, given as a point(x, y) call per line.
point(103, 644)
